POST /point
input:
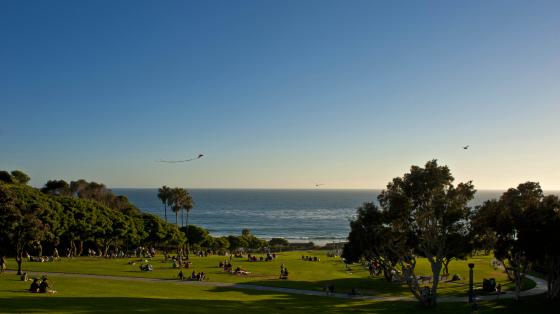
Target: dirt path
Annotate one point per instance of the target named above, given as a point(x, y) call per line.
point(540, 288)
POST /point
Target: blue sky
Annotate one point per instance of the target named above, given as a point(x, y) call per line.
point(280, 94)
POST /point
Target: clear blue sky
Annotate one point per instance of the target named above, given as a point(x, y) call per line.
point(280, 94)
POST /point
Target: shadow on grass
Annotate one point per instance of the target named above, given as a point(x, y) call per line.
point(285, 304)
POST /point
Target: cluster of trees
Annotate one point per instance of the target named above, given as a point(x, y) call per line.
point(77, 216)
point(200, 238)
point(522, 228)
point(423, 214)
point(74, 217)
point(179, 200)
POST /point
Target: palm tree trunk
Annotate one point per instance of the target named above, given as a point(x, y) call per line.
point(177, 219)
point(186, 232)
point(182, 217)
point(165, 208)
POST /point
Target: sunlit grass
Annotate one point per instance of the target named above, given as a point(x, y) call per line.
point(303, 274)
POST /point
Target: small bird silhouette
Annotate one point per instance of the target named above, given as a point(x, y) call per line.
point(318, 185)
point(466, 147)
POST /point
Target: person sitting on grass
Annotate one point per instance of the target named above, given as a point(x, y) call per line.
point(146, 267)
point(44, 286)
point(284, 274)
point(181, 275)
point(34, 288)
point(193, 275)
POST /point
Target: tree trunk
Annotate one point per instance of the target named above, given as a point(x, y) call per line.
point(80, 248)
point(165, 208)
point(40, 249)
point(387, 274)
point(436, 269)
point(177, 219)
point(518, 280)
point(72, 248)
point(182, 218)
point(186, 232)
point(19, 260)
point(518, 273)
point(446, 266)
point(553, 278)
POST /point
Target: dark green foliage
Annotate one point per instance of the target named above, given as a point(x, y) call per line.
point(31, 220)
point(278, 242)
point(195, 235)
point(20, 177)
point(6, 177)
point(524, 224)
point(56, 187)
point(100, 193)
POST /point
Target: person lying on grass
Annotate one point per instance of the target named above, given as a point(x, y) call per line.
point(239, 271)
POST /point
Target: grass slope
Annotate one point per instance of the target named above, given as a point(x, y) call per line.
point(303, 274)
point(78, 295)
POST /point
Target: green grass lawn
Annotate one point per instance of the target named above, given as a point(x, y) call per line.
point(303, 274)
point(80, 295)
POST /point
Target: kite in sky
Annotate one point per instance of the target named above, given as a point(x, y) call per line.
point(178, 161)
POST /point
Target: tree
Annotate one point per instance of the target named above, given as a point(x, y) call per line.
point(56, 187)
point(523, 222)
point(540, 243)
point(507, 219)
point(195, 234)
point(371, 238)
point(164, 194)
point(236, 243)
point(20, 177)
point(420, 213)
point(178, 199)
point(246, 232)
point(20, 224)
point(278, 242)
point(6, 177)
point(186, 205)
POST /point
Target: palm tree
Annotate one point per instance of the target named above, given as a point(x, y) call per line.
point(187, 205)
point(164, 194)
point(177, 199)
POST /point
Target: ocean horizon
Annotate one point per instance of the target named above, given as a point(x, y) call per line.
point(297, 215)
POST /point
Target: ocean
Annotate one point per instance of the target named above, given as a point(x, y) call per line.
point(318, 215)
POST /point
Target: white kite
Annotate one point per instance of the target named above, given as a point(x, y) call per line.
point(178, 161)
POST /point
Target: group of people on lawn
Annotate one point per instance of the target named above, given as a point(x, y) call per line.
point(310, 258)
point(194, 276)
point(38, 285)
point(269, 258)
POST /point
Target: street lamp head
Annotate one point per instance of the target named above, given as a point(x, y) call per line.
point(471, 265)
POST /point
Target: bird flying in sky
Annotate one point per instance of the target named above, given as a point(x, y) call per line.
point(466, 147)
point(318, 185)
point(184, 160)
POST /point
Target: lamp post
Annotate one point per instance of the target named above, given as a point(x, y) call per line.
point(471, 288)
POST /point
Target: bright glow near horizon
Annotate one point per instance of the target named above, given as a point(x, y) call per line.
point(280, 94)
